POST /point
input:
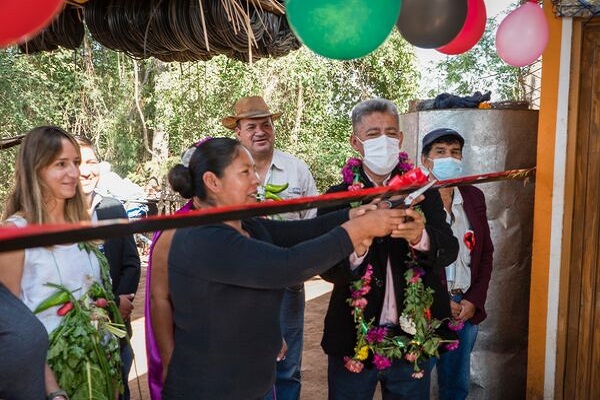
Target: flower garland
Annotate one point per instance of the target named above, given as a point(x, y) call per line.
point(351, 170)
point(420, 340)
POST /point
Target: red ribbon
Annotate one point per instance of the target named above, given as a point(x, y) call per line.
point(414, 177)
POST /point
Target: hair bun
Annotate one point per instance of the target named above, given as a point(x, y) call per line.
point(180, 179)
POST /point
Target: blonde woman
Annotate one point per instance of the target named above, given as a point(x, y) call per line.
point(65, 285)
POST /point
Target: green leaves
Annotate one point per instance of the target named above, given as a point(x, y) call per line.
point(91, 91)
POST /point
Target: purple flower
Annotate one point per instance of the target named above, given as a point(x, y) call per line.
point(452, 345)
point(350, 170)
point(404, 163)
point(381, 362)
point(417, 273)
point(354, 162)
point(376, 335)
point(347, 174)
point(455, 325)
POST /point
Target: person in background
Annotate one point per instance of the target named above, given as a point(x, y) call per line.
point(252, 122)
point(376, 136)
point(226, 280)
point(121, 251)
point(469, 276)
point(49, 280)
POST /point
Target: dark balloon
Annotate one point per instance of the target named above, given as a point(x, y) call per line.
point(431, 23)
point(471, 31)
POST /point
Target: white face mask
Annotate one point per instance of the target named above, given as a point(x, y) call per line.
point(381, 154)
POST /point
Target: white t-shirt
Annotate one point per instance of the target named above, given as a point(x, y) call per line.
point(65, 265)
point(285, 168)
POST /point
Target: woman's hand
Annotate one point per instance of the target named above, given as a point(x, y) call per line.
point(362, 210)
point(374, 223)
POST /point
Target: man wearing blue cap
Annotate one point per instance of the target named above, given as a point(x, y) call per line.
point(468, 277)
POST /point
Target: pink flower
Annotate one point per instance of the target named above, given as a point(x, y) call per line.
point(452, 345)
point(368, 274)
point(417, 273)
point(376, 335)
point(350, 172)
point(355, 186)
point(381, 362)
point(411, 357)
point(404, 163)
point(418, 374)
point(347, 174)
point(353, 365)
point(359, 303)
point(403, 156)
point(455, 325)
point(354, 162)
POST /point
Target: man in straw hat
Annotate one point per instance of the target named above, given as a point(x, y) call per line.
point(252, 122)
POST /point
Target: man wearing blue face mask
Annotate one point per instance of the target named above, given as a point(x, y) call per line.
point(468, 277)
point(376, 136)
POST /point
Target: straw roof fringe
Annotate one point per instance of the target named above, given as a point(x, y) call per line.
point(174, 30)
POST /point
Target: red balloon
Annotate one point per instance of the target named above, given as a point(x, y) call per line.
point(471, 31)
point(22, 19)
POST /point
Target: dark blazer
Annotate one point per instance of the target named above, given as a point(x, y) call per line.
point(482, 253)
point(121, 251)
point(339, 337)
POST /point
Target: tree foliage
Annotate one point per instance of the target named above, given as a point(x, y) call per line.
point(139, 112)
point(481, 69)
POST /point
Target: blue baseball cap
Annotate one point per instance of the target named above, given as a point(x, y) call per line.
point(435, 134)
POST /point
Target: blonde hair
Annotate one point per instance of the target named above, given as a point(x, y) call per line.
point(41, 146)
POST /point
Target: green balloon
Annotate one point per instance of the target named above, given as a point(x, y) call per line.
point(342, 29)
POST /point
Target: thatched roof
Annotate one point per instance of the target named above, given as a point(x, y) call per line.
point(173, 30)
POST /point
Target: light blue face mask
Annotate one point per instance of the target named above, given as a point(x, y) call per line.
point(447, 168)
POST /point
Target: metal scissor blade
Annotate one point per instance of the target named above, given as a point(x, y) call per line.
point(408, 200)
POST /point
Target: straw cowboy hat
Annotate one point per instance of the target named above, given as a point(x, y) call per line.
point(249, 107)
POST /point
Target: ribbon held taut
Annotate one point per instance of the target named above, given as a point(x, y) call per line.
point(13, 238)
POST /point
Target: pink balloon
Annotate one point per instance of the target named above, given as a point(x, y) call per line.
point(471, 31)
point(523, 35)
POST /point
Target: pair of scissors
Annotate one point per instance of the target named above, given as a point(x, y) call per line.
point(406, 201)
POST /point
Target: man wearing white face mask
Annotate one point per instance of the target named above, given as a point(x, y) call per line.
point(469, 276)
point(376, 136)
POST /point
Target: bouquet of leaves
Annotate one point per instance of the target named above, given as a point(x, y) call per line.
point(84, 350)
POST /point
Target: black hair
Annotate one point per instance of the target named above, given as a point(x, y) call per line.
point(446, 139)
point(84, 141)
point(213, 155)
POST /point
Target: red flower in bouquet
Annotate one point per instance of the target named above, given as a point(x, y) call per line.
point(469, 240)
